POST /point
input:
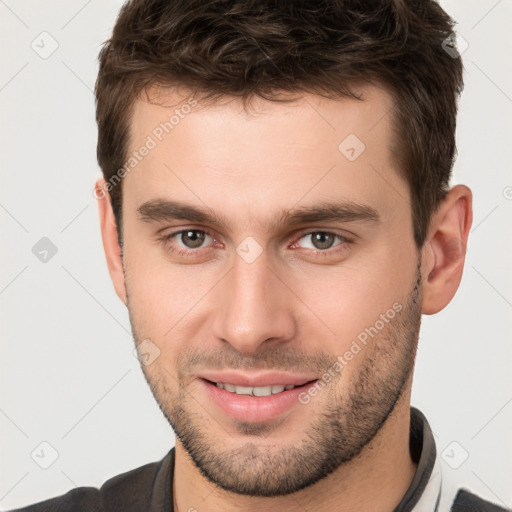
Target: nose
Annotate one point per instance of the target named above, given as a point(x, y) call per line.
point(254, 306)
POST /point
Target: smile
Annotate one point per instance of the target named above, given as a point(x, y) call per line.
point(255, 391)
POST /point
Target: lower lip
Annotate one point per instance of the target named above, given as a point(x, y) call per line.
point(253, 408)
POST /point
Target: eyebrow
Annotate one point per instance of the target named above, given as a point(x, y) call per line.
point(344, 211)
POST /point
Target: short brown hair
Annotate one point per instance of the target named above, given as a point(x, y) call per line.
point(242, 48)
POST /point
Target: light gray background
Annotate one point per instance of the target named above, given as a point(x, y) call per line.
point(68, 374)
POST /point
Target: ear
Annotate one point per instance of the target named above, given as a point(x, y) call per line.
point(109, 237)
point(444, 251)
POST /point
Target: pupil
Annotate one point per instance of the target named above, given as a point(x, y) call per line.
point(325, 240)
point(197, 238)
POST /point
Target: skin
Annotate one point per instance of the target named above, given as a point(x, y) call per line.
point(291, 308)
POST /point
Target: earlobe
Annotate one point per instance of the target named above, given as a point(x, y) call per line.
point(110, 239)
point(444, 251)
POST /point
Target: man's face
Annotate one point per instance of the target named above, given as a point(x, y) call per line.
point(265, 299)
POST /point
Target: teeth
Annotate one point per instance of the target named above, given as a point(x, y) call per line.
point(242, 390)
point(254, 391)
point(262, 390)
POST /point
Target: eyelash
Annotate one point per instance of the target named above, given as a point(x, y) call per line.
point(166, 239)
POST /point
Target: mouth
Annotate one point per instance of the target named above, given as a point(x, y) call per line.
point(272, 389)
point(254, 404)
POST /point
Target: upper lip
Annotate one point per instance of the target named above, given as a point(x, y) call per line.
point(257, 380)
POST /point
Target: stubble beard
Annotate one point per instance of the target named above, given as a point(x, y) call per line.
point(353, 414)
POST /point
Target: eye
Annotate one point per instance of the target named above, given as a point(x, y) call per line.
point(186, 241)
point(191, 238)
point(321, 241)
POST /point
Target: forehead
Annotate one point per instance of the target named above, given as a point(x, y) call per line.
point(307, 118)
point(224, 156)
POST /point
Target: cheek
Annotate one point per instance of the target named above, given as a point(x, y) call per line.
point(360, 302)
point(161, 294)
point(351, 298)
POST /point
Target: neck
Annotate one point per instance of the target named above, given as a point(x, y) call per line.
point(375, 480)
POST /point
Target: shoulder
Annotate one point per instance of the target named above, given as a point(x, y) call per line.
point(466, 501)
point(125, 492)
point(82, 499)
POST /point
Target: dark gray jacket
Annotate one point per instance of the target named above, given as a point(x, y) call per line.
point(149, 488)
